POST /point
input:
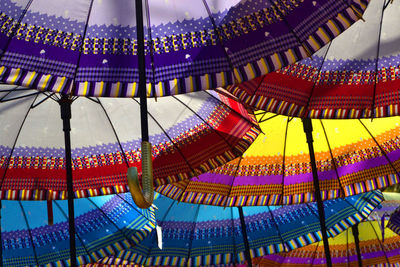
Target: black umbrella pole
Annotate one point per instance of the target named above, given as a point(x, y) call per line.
point(65, 105)
point(308, 130)
point(354, 228)
point(142, 71)
point(245, 240)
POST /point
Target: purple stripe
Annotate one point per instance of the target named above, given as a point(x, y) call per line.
point(299, 178)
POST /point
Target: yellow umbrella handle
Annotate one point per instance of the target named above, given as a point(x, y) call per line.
point(143, 198)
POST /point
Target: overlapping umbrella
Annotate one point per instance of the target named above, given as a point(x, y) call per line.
point(374, 251)
point(104, 226)
point(105, 141)
point(356, 76)
point(189, 46)
point(201, 235)
point(352, 156)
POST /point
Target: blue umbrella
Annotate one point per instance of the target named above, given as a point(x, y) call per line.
point(104, 225)
point(199, 235)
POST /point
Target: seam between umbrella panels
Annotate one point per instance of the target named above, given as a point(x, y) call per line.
point(235, 260)
point(233, 180)
point(15, 29)
point(132, 206)
point(277, 229)
point(315, 253)
point(318, 219)
point(15, 142)
point(232, 109)
point(234, 149)
point(195, 172)
point(283, 160)
point(220, 40)
point(81, 47)
point(115, 225)
point(380, 243)
point(380, 147)
point(153, 234)
point(29, 231)
point(376, 63)
point(333, 159)
point(192, 234)
point(76, 233)
point(151, 48)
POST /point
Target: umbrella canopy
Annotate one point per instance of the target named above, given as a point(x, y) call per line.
point(394, 222)
point(352, 156)
point(374, 251)
point(356, 76)
point(104, 226)
point(105, 140)
point(201, 235)
point(190, 45)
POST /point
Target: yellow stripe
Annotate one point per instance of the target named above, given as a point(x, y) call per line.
point(60, 85)
point(85, 87)
point(16, 74)
point(118, 88)
point(101, 88)
point(237, 75)
point(46, 80)
point(250, 67)
point(2, 70)
point(161, 91)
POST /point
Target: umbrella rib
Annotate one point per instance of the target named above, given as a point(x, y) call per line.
point(373, 112)
point(238, 153)
point(115, 225)
point(315, 253)
point(347, 247)
point(333, 159)
point(173, 143)
point(76, 233)
point(381, 149)
point(2, 100)
point(192, 234)
point(277, 229)
point(115, 132)
point(30, 233)
point(235, 260)
point(81, 47)
point(316, 79)
point(283, 160)
point(43, 100)
point(6, 165)
point(259, 85)
point(154, 234)
point(380, 243)
point(231, 109)
point(132, 206)
point(15, 29)
point(16, 88)
point(267, 119)
point(289, 27)
point(151, 48)
point(233, 180)
point(220, 40)
point(317, 216)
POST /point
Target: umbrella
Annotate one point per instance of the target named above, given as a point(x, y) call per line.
point(394, 222)
point(104, 224)
point(355, 76)
point(105, 141)
point(373, 251)
point(189, 46)
point(202, 235)
point(351, 156)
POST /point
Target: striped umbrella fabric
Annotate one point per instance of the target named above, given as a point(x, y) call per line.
point(105, 225)
point(201, 235)
point(106, 137)
point(355, 76)
point(375, 252)
point(87, 47)
point(352, 157)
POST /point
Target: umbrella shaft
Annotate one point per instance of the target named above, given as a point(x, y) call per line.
point(245, 240)
point(308, 130)
point(142, 71)
point(65, 104)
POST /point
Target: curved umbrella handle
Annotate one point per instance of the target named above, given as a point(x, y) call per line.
point(143, 198)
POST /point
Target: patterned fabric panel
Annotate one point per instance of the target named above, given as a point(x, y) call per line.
point(190, 134)
point(357, 76)
point(189, 46)
point(374, 251)
point(104, 226)
point(352, 156)
point(200, 235)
